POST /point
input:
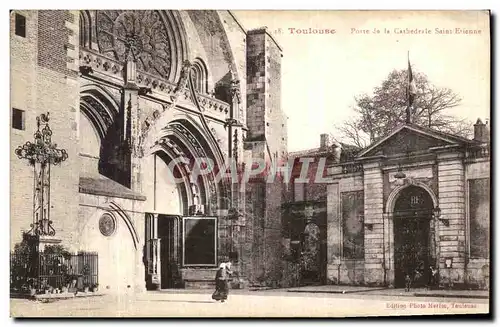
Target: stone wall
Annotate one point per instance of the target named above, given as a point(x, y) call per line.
point(374, 238)
point(256, 86)
point(333, 234)
point(478, 269)
point(341, 270)
point(121, 268)
point(214, 42)
point(451, 179)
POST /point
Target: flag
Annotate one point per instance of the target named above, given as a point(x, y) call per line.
point(412, 87)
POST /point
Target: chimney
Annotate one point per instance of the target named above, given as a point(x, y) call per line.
point(480, 131)
point(325, 142)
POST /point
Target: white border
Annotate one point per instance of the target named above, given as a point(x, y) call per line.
point(190, 4)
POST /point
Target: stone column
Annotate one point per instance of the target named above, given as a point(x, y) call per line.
point(388, 227)
point(451, 241)
point(373, 224)
point(140, 255)
point(333, 233)
point(153, 251)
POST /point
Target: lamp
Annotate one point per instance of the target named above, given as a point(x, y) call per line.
point(448, 262)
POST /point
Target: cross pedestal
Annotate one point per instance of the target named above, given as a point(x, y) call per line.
point(40, 242)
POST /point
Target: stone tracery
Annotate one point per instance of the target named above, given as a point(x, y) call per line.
point(144, 29)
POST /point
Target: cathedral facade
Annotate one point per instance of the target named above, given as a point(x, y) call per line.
point(149, 106)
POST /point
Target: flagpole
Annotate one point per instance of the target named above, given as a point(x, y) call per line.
point(408, 110)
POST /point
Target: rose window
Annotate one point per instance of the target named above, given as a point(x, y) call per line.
point(141, 33)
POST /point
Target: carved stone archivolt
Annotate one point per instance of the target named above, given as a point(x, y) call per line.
point(96, 111)
point(140, 33)
point(179, 129)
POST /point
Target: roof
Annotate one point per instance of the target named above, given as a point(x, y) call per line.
point(447, 137)
point(307, 152)
point(347, 150)
point(104, 186)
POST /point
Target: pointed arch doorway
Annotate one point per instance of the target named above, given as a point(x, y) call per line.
point(414, 232)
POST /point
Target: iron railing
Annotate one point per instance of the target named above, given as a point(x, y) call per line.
point(44, 271)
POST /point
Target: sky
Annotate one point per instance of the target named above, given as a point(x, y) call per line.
point(321, 74)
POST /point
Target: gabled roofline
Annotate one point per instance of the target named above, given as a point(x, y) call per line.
point(415, 128)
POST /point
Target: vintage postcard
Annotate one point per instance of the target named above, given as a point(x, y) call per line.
point(218, 163)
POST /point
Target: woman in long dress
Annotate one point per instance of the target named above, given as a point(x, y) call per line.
point(222, 282)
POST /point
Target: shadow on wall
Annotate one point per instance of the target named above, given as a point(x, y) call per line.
point(222, 88)
point(115, 156)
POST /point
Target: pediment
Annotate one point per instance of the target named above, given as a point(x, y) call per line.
point(409, 139)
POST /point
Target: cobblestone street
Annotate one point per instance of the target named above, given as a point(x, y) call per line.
point(245, 304)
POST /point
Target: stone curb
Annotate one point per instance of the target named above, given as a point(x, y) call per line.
point(56, 296)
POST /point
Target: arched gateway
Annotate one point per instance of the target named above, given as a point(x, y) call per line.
point(414, 233)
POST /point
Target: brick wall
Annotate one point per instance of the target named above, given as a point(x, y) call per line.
point(55, 28)
point(23, 56)
point(40, 86)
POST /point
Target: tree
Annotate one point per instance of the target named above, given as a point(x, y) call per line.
point(378, 114)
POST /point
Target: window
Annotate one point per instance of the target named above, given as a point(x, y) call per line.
point(352, 225)
point(479, 207)
point(298, 191)
point(200, 241)
point(18, 119)
point(200, 76)
point(20, 25)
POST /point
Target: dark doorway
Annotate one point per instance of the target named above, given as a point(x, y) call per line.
point(307, 233)
point(313, 255)
point(412, 237)
point(169, 232)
